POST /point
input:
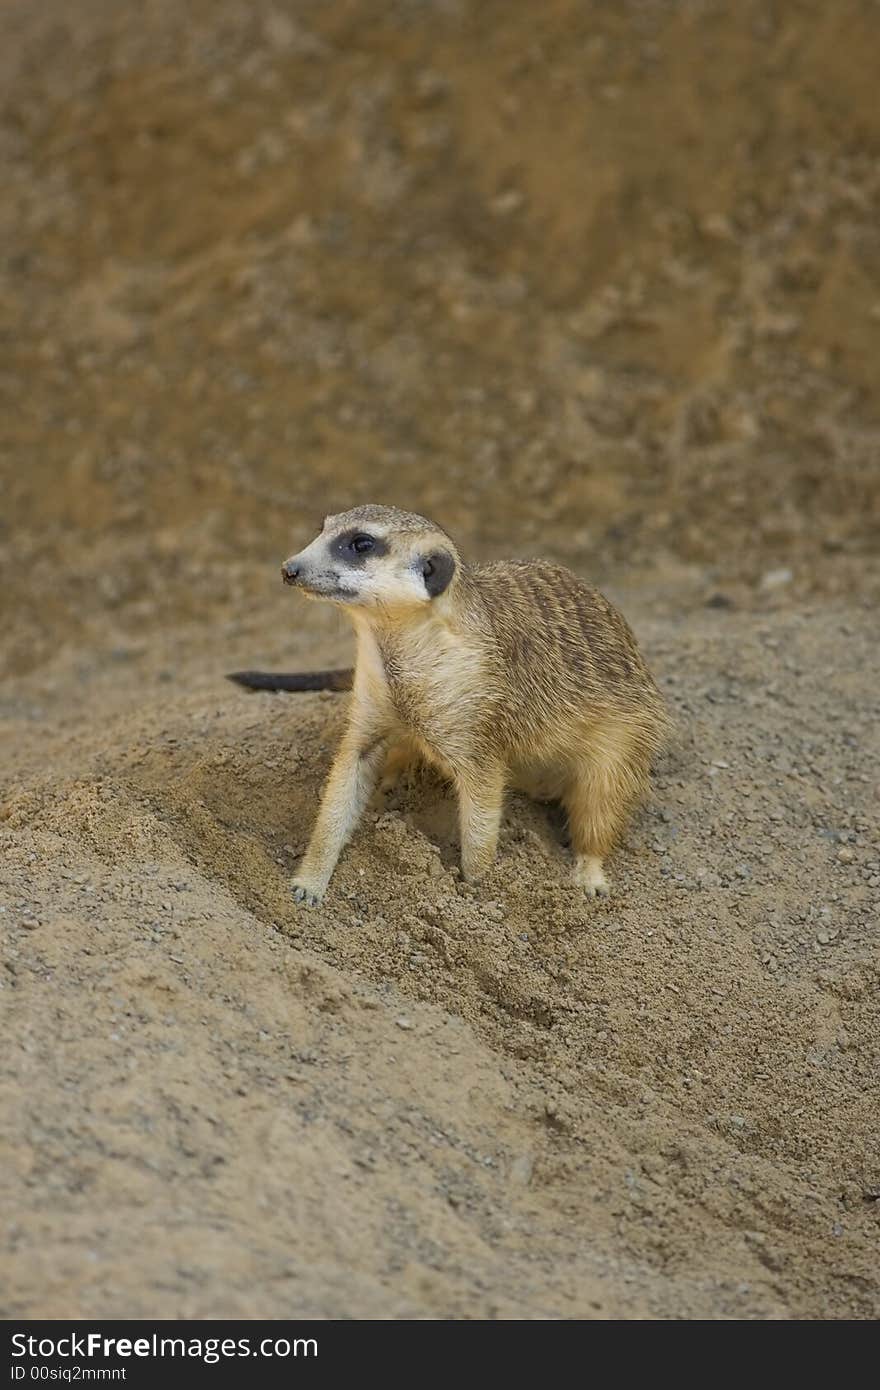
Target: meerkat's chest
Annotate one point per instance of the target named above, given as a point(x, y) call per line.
point(429, 678)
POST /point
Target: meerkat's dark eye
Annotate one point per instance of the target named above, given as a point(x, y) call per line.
point(361, 544)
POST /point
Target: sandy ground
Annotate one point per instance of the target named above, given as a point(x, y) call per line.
point(597, 283)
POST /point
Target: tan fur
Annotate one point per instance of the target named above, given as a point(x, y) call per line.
point(516, 674)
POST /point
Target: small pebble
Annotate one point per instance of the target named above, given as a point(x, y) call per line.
point(776, 579)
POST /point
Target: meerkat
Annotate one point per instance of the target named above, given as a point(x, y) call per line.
point(513, 674)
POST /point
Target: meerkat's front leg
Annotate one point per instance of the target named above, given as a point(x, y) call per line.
point(349, 787)
point(480, 802)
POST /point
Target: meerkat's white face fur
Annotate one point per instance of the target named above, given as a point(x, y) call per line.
point(375, 557)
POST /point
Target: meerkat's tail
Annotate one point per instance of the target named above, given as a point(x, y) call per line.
point(293, 680)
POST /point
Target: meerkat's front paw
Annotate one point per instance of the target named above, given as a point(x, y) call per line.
point(588, 875)
point(474, 870)
point(308, 892)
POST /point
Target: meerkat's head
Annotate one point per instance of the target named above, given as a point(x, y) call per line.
point(375, 557)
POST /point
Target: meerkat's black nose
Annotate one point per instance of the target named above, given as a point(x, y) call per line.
point(290, 571)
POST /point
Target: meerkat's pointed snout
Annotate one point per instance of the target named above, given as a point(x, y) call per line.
point(290, 570)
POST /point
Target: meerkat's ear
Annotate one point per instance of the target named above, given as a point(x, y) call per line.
point(437, 570)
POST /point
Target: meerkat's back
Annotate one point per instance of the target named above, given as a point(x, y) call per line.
point(565, 648)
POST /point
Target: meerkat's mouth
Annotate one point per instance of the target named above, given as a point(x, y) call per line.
point(336, 593)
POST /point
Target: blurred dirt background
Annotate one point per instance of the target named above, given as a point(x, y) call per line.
point(595, 282)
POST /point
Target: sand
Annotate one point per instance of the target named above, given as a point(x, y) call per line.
point(593, 283)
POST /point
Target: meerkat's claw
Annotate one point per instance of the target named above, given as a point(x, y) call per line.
point(303, 894)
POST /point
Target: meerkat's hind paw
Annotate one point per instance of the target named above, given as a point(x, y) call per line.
point(305, 893)
point(588, 874)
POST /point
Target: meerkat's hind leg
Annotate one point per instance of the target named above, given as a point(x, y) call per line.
point(402, 756)
point(589, 874)
point(605, 783)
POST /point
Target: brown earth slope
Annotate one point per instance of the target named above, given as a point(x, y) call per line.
point(598, 283)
